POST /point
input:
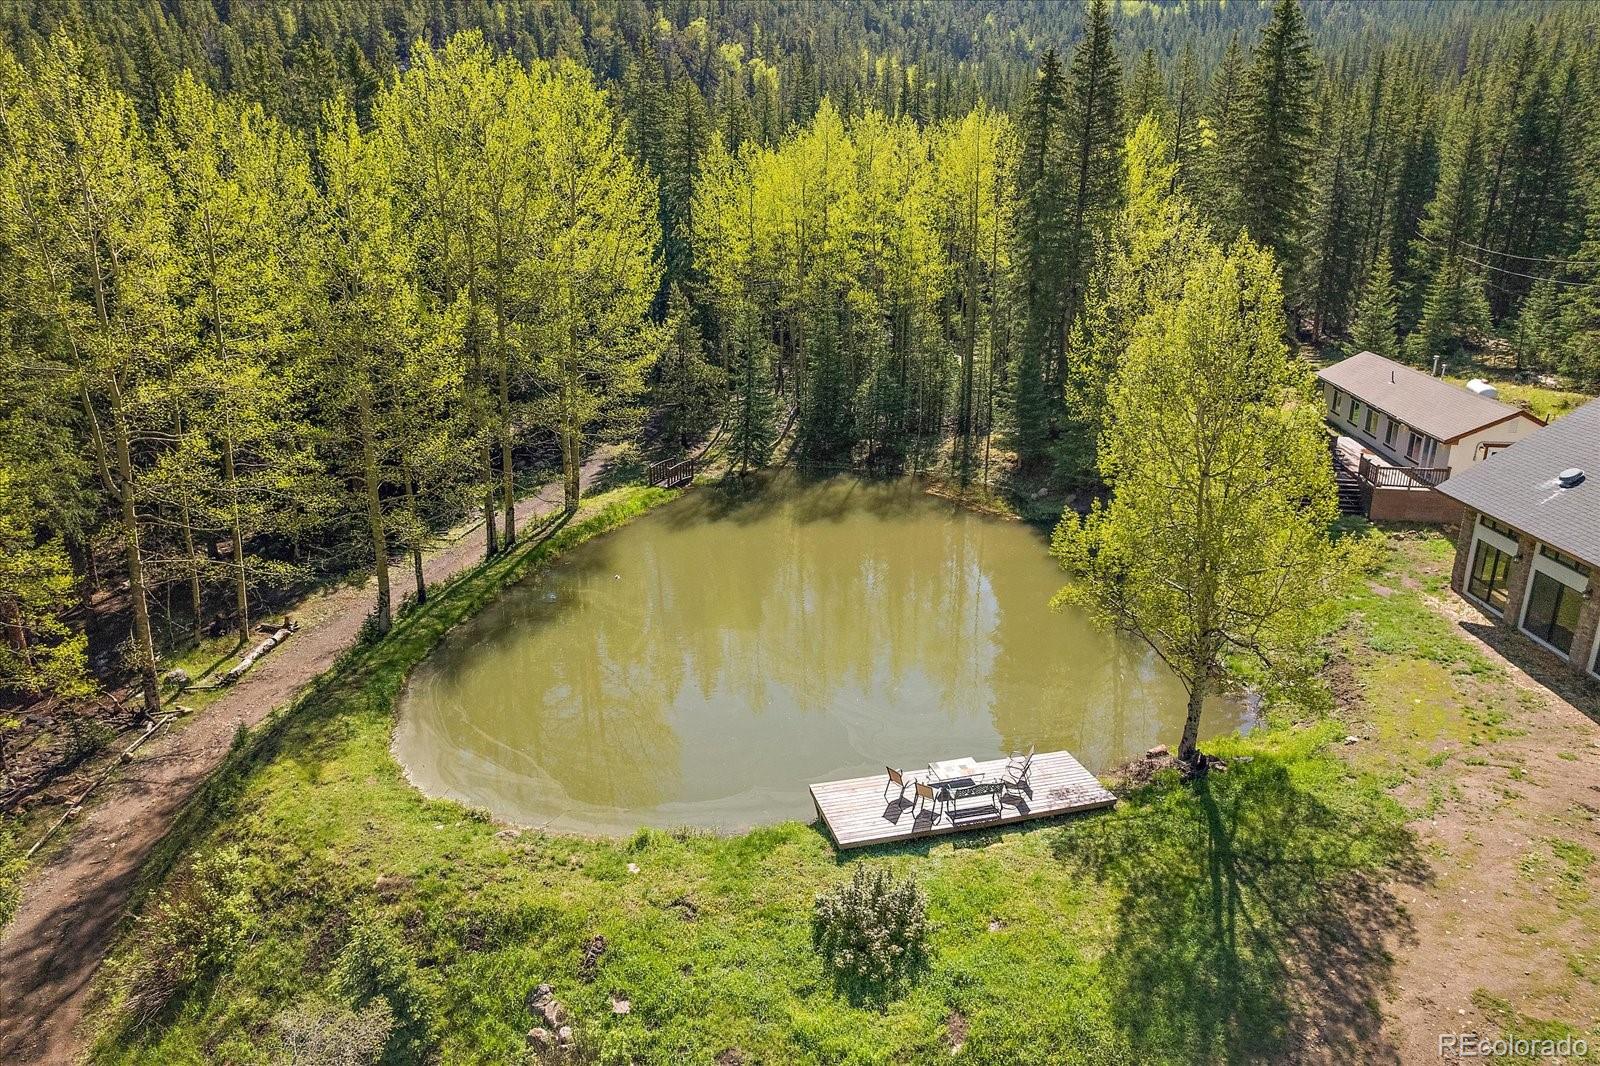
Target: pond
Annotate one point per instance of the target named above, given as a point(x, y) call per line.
point(705, 663)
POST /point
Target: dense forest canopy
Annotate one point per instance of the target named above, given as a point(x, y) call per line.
point(290, 287)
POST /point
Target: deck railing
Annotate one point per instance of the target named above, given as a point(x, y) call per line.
point(1401, 477)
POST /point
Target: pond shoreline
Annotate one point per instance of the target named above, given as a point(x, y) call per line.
point(846, 623)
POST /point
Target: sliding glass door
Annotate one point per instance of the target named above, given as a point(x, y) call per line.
point(1553, 609)
point(1487, 582)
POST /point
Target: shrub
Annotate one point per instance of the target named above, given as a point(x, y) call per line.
point(376, 966)
point(194, 928)
point(313, 1033)
point(872, 929)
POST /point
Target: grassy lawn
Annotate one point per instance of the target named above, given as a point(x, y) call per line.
point(1547, 403)
point(1235, 919)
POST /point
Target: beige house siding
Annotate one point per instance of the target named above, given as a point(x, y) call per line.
point(1457, 456)
point(1468, 450)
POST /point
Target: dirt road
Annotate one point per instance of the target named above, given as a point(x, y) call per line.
point(72, 905)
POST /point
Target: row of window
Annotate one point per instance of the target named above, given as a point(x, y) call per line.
point(1551, 608)
point(1421, 449)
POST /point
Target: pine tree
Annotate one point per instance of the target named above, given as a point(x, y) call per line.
point(1454, 305)
point(1335, 249)
point(687, 388)
point(1222, 160)
point(752, 431)
point(1093, 164)
point(1275, 148)
point(1040, 259)
point(1146, 94)
point(1376, 320)
point(1188, 135)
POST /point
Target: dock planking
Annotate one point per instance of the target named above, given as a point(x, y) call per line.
point(858, 814)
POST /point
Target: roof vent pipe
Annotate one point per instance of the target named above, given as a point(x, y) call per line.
point(1570, 478)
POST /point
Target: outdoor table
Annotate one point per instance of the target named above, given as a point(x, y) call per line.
point(964, 768)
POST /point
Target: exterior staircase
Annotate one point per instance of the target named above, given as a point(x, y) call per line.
point(1347, 482)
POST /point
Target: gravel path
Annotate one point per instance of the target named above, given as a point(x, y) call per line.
point(72, 905)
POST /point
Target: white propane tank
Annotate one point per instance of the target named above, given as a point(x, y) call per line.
point(1482, 388)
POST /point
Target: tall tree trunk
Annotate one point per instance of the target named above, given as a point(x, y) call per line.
point(416, 545)
point(241, 583)
point(369, 473)
point(1191, 723)
point(490, 528)
point(144, 645)
point(508, 487)
point(571, 467)
point(195, 602)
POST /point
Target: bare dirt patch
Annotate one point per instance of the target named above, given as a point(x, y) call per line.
point(1506, 815)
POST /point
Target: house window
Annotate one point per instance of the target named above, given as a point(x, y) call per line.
point(1487, 582)
point(1389, 433)
point(1338, 400)
point(1499, 527)
point(1371, 422)
point(1421, 449)
point(1553, 608)
point(1355, 410)
point(1565, 560)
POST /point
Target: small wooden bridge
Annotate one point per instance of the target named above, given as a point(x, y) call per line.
point(670, 473)
point(858, 814)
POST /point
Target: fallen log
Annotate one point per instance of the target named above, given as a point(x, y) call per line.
point(74, 807)
point(278, 637)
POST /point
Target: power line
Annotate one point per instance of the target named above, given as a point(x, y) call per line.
point(1512, 273)
point(1531, 277)
point(1527, 258)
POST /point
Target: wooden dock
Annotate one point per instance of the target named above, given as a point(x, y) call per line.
point(857, 813)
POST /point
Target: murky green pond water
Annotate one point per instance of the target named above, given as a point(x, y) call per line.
point(704, 664)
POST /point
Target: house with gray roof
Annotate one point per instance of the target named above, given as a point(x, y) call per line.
point(1398, 432)
point(1528, 548)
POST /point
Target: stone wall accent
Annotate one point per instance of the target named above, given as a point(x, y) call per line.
point(1517, 581)
point(1458, 573)
point(1588, 623)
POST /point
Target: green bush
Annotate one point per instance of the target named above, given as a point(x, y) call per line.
point(376, 966)
point(195, 928)
point(873, 929)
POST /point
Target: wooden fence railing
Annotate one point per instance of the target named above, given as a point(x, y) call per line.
point(1401, 477)
point(670, 472)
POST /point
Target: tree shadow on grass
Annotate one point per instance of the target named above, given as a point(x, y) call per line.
point(624, 466)
point(1253, 918)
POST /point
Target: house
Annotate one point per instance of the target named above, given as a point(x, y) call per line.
point(1399, 432)
point(1528, 550)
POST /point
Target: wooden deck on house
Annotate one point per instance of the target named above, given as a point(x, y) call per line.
point(858, 815)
